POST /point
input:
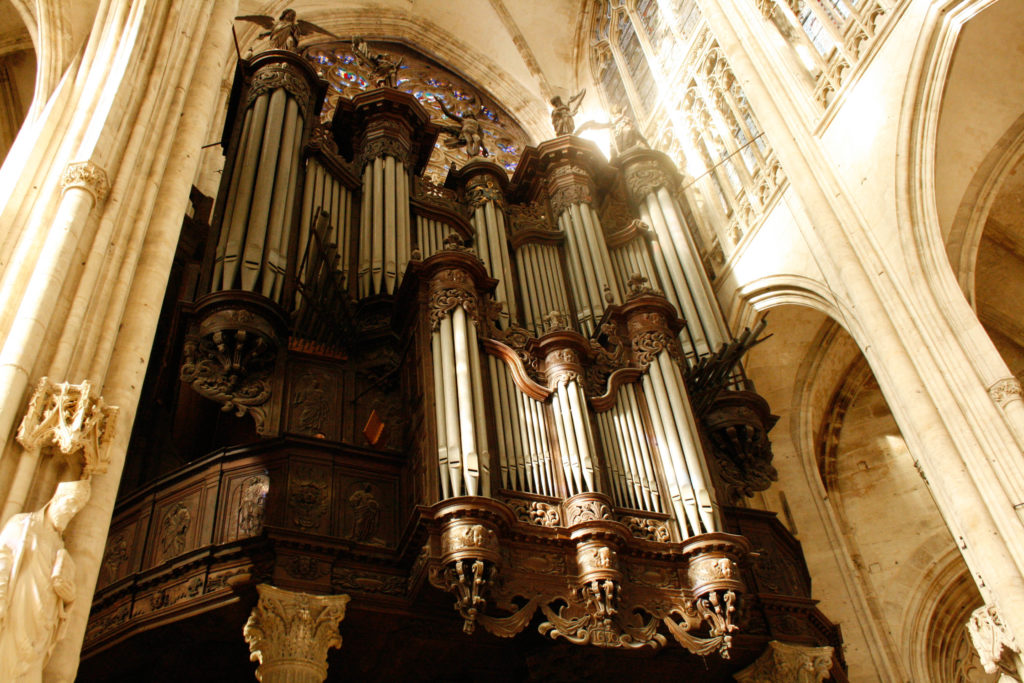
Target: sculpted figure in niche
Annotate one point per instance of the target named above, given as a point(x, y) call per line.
point(37, 583)
point(366, 508)
point(561, 114)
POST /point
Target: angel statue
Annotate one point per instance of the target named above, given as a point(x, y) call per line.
point(383, 69)
point(284, 32)
point(468, 133)
point(561, 115)
point(37, 583)
point(625, 136)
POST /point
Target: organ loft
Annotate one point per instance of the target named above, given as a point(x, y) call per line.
point(450, 340)
point(450, 391)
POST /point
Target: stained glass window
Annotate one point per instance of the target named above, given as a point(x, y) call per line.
point(427, 82)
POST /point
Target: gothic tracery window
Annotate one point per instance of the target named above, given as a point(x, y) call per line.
point(643, 51)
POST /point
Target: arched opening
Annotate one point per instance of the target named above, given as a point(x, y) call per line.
point(17, 74)
point(849, 488)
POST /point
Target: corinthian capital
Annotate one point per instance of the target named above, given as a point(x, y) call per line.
point(289, 634)
point(87, 176)
point(783, 663)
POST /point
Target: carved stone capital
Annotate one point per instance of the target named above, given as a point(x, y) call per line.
point(1005, 390)
point(73, 418)
point(87, 176)
point(289, 634)
point(997, 648)
point(784, 663)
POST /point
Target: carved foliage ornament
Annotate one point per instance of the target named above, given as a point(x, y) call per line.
point(87, 176)
point(384, 146)
point(563, 198)
point(73, 418)
point(480, 191)
point(275, 76)
point(783, 663)
point(995, 645)
point(450, 288)
point(291, 632)
point(233, 368)
point(1004, 391)
point(644, 178)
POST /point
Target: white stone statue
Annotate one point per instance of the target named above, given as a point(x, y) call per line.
point(37, 583)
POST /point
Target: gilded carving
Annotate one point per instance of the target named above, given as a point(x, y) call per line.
point(649, 529)
point(479, 191)
point(382, 146)
point(85, 175)
point(580, 511)
point(450, 288)
point(536, 512)
point(564, 198)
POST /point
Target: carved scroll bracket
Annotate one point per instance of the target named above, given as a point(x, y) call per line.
point(229, 355)
point(73, 418)
point(289, 634)
point(470, 555)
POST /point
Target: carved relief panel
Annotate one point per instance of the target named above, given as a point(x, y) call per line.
point(366, 510)
point(309, 497)
point(314, 407)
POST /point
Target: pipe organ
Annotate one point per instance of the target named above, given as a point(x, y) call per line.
point(496, 386)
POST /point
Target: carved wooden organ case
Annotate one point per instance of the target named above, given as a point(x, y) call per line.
point(520, 392)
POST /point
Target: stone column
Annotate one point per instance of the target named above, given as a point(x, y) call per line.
point(289, 634)
point(783, 663)
point(924, 345)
